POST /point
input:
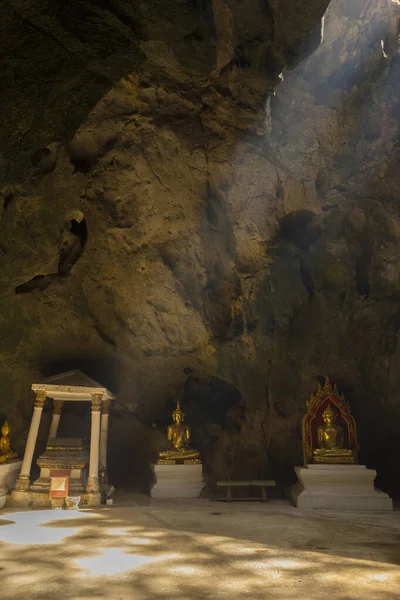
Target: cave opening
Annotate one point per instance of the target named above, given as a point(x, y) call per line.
point(211, 406)
point(299, 228)
point(79, 228)
point(82, 165)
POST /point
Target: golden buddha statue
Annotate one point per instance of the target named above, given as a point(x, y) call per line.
point(179, 440)
point(331, 441)
point(5, 447)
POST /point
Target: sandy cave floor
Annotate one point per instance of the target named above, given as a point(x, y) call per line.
point(195, 549)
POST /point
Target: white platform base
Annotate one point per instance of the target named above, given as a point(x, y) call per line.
point(338, 487)
point(178, 481)
point(9, 472)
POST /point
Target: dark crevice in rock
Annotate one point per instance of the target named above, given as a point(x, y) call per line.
point(299, 228)
point(7, 197)
point(252, 325)
point(321, 183)
point(212, 216)
point(327, 207)
point(40, 282)
point(83, 165)
point(305, 47)
point(169, 261)
point(237, 326)
point(123, 15)
point(215, 214)
point(7, 202)
point(363, 264)
point(45, 159)
point(390, 331)
point(72, 244)
point(307, 280)
point(79, 228)
point(106, 338)
point(279, 188)
point(40, 155)
point(242, 59)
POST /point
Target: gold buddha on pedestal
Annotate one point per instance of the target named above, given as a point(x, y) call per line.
point(331, 447)
point(5, 447)
point(179, 442)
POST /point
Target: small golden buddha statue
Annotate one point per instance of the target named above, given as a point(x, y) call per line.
point(331, 440)
point(5, 447)
point(179, 440)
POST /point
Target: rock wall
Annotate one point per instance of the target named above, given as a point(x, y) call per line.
point(192, 234)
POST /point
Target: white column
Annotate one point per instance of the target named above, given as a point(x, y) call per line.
point(57, 408)
point(93, 479)
point(104, 434)
point(22, 482)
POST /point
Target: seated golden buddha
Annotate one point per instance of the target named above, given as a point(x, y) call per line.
point(5, 447)
point(179, 442)
point(331, 441)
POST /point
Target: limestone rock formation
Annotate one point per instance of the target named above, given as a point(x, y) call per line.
point(174, 227)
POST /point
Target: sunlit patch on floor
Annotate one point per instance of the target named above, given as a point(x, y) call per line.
point(118, 531)
point(186, 571)
point(32, 527)
point(156, 534)
point(113, 561)
point(140, 541)
point(379, 576)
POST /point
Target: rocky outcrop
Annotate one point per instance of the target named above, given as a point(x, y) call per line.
point(193, 235)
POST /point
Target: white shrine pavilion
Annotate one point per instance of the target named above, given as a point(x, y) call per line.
point(72, 386)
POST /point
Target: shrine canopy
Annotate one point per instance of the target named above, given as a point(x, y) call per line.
point(72, 385)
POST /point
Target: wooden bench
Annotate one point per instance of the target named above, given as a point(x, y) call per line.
point(261, 483)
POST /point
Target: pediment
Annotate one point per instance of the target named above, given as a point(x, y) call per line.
point(72, 385)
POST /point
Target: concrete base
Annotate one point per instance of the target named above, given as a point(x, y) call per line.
point(178, 481)
point(338, 487)
point(9, 472)
point(33, 499)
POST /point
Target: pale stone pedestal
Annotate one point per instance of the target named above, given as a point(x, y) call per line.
point(32, 499)
point(178, 481)
point(9, 472)
point(338, 487)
